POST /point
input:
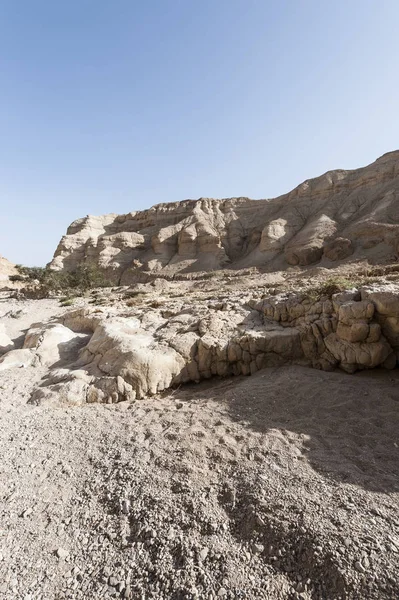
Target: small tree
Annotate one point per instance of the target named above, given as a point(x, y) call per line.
point(79, 281)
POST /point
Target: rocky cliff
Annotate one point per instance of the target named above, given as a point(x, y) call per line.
point(342, 215)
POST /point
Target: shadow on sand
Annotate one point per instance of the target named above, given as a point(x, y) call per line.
point(351, 422)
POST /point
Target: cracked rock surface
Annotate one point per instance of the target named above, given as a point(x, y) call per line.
point(116, 353)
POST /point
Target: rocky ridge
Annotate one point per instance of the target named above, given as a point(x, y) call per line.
point(342, 215)
point(142, 347)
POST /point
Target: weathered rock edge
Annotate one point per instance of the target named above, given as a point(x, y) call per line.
point(132, 356)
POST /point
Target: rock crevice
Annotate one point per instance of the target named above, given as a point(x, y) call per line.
point(146, 351)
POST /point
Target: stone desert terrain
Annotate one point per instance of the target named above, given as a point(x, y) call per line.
point(208, 427)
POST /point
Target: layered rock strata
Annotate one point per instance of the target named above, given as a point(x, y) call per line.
point(342, 215)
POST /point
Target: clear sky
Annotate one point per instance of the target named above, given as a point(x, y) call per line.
point(116, 105)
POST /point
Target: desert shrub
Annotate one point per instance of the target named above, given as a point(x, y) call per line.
point(67, 301)
point(156, 303)
point(31, 273)
point(134, 293)
point(50, 282)
point(16, 278)
point(87, 277)
point(331, 286)
point(136, 299)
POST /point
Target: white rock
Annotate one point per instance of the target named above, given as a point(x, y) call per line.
point(62, 553)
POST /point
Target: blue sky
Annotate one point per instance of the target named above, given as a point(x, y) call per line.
point(116, 105)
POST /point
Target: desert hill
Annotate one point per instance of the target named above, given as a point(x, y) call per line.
point(6, 268)
point(342, 215)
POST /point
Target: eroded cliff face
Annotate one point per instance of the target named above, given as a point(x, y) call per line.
point(341, 215)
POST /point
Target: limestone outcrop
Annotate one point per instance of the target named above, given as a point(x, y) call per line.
point(342, 215)
point(342, 332)
point(110, 354)
point(6, 269)
point(6, 343)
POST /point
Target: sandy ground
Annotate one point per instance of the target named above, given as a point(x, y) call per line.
point(280, 485)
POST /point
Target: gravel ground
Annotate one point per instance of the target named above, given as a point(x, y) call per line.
point(281, 485)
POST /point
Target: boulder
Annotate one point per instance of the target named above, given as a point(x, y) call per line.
point(352, 356)
point(16, 359)
point(338, 249)
point(120, 347)
point(6, 343)
point(52, 343)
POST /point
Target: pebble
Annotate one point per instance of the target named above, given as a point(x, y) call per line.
point(204, 553)
point(359, 567)
point(258, 548)
point(62, 553)
point(222, 592)
point(127, 593)
point(365, 562)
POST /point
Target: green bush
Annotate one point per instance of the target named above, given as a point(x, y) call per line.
point(31, 273)
point(84, 278)
point(16, 278)
point(67, 301)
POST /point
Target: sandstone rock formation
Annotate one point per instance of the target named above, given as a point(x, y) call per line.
point(111, 354)
point(340, 215)
point(6, 269)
